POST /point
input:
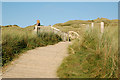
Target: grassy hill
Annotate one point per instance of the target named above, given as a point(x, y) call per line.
point(71, 23)
point(79, 25)
point(78, 22)
point(15, 40)
point(11, 26)
point(93, 55)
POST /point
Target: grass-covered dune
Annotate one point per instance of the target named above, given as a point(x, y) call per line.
point(78, 22)
point(15, 40)
point(75, 25)
point(93, 55)
point(11, 26)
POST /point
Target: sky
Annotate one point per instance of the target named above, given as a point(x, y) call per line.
point(60, 0)
point(49, 13)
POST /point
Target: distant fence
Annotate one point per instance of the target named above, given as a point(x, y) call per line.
point(93, 24)
point(70, 35)
point(63, 35)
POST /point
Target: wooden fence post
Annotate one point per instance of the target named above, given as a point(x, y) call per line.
point(68, 36)
point(64, 37)
point(102, 27)
point(87, 27)
point(37, 30)
point(92, 25)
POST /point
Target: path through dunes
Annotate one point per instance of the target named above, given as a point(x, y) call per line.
point(41, 62)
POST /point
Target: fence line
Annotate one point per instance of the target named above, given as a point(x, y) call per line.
point(65, 36)
point(101, 26)
point(68, 35)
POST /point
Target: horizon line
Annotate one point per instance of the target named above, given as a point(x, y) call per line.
point(57, 23)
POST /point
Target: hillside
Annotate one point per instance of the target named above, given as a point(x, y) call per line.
point(78, 22)
point(31, 27)
point(11, 26)
point(92, 55)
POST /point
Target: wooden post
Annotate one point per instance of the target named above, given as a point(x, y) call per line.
point(102, 27)
point(92, 25)
point(64, 36)
point(37, 29)
point(68, 37)
point(87, 27)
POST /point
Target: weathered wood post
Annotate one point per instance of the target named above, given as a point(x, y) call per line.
point(38, 29)
point(35, 29)
point(102, 27)
point(87, 27)
point(64, 37)
point(92, 25)
point(68, 36)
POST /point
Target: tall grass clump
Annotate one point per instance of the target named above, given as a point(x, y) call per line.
point(95, 55)
point(15, 40)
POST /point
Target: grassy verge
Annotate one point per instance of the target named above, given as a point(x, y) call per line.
point(92, 56)
point(16, 40)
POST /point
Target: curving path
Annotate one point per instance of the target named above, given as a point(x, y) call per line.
point(41, 62)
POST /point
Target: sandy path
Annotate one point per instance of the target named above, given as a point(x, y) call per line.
point(41, 62)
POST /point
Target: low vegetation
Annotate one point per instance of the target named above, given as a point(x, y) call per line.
point(75, 25)
point(93, 55)
point(16, 39)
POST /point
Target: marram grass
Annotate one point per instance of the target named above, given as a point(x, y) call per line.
point(95, 55)
point(15, 40)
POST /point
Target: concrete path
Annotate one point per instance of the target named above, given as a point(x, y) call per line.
point(41, 62)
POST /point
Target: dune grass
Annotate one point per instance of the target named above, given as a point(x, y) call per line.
point(94, 55)
point(15, 40)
